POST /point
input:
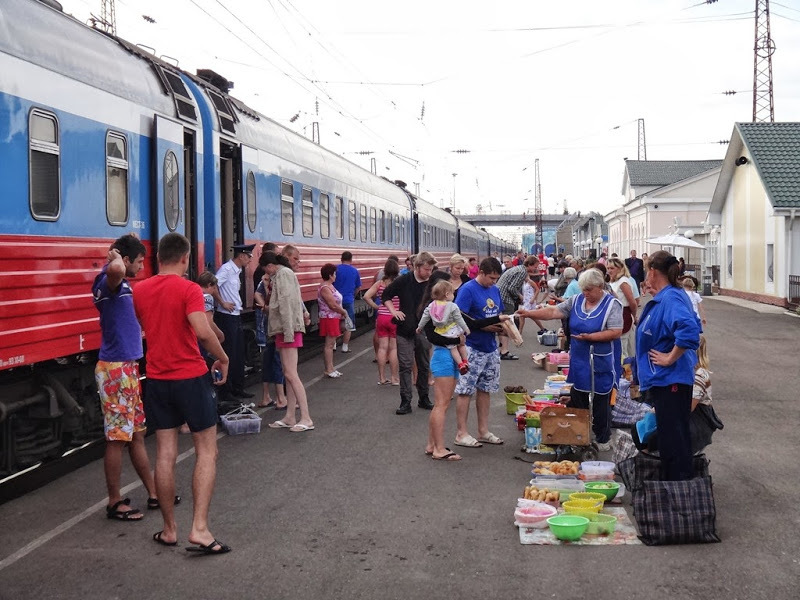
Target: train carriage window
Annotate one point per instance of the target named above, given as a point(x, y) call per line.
point(397, 229)
point(363, 219)
point(373, 219)
point(251, 202)
point(308, 213)
point(389, 225)
point(116, 178)
point(172, 205)
point(338, 217)
point(324, 216)
point(382, 225)
point(351, 216)
point(45, 173)
point(287, 208)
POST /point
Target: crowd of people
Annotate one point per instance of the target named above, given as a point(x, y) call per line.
point(439, 327)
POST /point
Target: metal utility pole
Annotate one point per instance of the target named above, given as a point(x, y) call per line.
point(537, 210)
point(642, 142)
point(454, 191)
point(108, 14)
point(763, 103)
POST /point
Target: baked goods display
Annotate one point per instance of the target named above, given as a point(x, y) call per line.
point(564, 467)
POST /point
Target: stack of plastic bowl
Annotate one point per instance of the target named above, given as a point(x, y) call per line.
point(533, 514)
point(568, 528)
point(597, 470)
point(590, 496)
point(582, 506)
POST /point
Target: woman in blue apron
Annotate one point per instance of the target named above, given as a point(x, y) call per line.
point(595, 321)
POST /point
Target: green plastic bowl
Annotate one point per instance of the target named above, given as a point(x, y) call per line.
point(601, 524)
point(568, 527)
point(608, 488)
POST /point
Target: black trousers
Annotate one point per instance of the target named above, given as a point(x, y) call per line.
point(231, 326)
point(673, 404)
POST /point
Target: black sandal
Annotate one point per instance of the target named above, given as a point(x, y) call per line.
point(113, 512)
point(152, 503)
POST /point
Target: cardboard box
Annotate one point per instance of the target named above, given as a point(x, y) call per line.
point(539, 359)
point(563, 425)
point(550, 367)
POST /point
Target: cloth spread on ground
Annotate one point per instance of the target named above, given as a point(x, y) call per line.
point(624, 533)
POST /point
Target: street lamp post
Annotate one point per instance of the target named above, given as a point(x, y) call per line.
point(599, 241)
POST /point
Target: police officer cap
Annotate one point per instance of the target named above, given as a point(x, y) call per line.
point(240, 248)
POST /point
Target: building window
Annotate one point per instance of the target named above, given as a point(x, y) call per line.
point(363, 219)
point(287, 208)
point(770, 263)
point(373, 220)
point(251, 202)
point(45, 175)
point(308, 213)
point(324, 216)
point(338, 217)
point(351, 210)
point(730, 261)
point(116, 178)
point(172, 204)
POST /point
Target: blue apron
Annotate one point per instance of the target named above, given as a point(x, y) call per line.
point(582, 322)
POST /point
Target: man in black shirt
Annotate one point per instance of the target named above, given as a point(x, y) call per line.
point(411, 346)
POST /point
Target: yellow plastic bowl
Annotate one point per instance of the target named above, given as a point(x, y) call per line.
point(590, 496)
point(581, 506)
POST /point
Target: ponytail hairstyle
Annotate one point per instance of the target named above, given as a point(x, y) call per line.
point(667, 264)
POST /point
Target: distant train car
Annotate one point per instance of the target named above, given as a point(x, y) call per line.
point(471, 241)
point(436, 231)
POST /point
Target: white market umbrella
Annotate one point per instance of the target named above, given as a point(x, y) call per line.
point(673, 239)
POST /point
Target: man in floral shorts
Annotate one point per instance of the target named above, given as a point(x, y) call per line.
point(480, 299)
point(117, 374)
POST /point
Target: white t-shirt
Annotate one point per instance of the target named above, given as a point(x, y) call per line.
point(696, 299)
point(616, 285)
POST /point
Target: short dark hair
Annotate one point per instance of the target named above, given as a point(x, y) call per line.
point(172, 248)
point(391, 269)
point(530, 261)
point(394, 258)
point(129, 246)
point(270, 258)
point(269, 247)
point(347, 256)
point(327, 271)
point(490, 266)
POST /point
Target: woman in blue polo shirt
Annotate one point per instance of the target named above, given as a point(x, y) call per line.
point(666, 340)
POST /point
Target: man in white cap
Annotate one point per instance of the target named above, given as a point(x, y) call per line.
point(228, 319)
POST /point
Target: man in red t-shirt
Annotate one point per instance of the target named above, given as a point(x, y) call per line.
point(171, 311)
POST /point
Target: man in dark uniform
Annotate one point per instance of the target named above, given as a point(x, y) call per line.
point(636, 268)
point(228, 319)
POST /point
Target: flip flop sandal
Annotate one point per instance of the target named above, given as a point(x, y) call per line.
point(157, 538)
point(279, 425)
point(491, 438)
point(152, 504)
point(113, 512)
point(384, 382)
point(449, 457)
point(468, 442)
point(209, 548)
point(333, 375)
point(299, 428)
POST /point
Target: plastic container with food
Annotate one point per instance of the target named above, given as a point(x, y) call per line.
point(534, 516)
point(608, 489)
point(607, 476)
point(601, 524)
point(590, 467)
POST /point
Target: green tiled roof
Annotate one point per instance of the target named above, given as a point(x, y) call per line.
point(775, 149)
point(666, 172)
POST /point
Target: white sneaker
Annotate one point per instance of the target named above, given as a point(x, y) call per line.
point(334, 346)
point(345, 348)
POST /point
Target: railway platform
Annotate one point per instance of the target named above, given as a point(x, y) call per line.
point(354, 509)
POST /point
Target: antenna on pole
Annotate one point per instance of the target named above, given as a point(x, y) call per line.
point(537, 210)
point(642, 141)
point(764, 48)
point(108, 14)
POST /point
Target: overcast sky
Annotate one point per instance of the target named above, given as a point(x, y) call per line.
point(563, 81)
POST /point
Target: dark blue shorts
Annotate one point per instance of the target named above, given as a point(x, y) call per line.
point(169, 403)
point(271, 366)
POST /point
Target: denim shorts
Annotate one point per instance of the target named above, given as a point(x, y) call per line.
point(442, 363)
point(349, 307)
point(483, 375)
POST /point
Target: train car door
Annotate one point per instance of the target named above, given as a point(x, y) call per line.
point(230, 159)
point(168, 213)
point(196, 265)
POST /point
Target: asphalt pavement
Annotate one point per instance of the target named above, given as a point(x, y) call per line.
point(354, 509)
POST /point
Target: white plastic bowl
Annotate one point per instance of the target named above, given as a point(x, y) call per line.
point(534, 516)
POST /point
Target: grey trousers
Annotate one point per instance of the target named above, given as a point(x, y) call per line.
point(409, 350)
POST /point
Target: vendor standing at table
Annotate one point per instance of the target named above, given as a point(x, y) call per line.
point(666, 342)
point(595, 322)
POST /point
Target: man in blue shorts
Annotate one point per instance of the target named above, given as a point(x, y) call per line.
point(348, 283)
point(117, 375)
point(480, 299)
point(171, 311)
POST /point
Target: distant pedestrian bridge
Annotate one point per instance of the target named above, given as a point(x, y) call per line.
point(550, 221)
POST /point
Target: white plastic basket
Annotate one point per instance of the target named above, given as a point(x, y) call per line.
point(241, 420)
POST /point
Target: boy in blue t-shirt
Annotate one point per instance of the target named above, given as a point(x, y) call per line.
point(347, 283)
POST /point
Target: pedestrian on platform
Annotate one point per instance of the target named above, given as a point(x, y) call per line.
point(228, 318)
point(331, 315)
point(348, 282)
point(117, 375)
point(666, 342)
point(412, 348)
point(171, 311)
point(620, 284)
point(271, 367)
point(480, 299)
point(287, 325)
point(510, 288)
point(474, 268)
point(694, 298)
point(385, 329)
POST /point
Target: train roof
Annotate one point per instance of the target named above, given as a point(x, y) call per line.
point(427, 209)
point(36, 33)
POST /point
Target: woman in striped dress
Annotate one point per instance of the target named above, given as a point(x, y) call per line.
point(385, 328)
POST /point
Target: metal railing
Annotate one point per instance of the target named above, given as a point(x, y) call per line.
point(794, 289)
